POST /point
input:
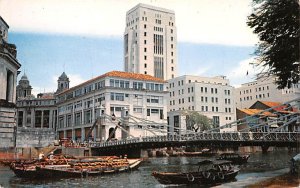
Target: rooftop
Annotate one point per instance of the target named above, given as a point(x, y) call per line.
point(150, 7)
point(119, 74)
point(258, 112)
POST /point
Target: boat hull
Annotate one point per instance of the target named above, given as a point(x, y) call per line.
point(194, 178)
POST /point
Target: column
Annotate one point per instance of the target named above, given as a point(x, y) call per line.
point(50, 119)
point(24, 118)
point(3, 77)
point(32, 118)
point(82, 116)
point(82, 134)
point(42, 119)
point(73, 115)
point(73, 134)
point(10, 87)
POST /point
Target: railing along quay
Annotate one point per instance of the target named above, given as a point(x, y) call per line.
point(236, 136)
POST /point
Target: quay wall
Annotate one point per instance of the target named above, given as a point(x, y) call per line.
point(34, 137)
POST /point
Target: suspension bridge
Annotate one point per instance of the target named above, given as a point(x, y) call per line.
point(285, 117)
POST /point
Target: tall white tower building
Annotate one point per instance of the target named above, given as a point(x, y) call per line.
point(150, 42)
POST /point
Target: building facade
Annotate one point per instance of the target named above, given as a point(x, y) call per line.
point(150, 42)
point(264, 89)
point(143, 96)
point(36, 117)
point(210, 96)
point(9, 66)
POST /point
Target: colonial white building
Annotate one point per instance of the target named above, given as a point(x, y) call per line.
point(144, 96)
point(9, 66)
point(36, 117)
point(210, 96)
point(150, 42)
point(264, 89)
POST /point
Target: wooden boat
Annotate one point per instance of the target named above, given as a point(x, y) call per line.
point(92, 169)
point(209, 173)
point(234, 158)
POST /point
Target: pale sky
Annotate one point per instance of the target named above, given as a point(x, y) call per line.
point(197, 21)
point(213, 38)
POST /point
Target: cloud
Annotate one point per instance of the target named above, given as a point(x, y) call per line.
point(201, 71)
point(205, 21)
point(75, 79)
point(243, 73)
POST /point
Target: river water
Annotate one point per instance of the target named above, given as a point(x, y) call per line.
point(260, 166)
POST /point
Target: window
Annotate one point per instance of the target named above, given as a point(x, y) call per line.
point(145, 41)
point(145, 65)
point(145, 26)
point(145, 57)
point(145, 34)
point(153, 99)
point(138, 85)
point(145, 49)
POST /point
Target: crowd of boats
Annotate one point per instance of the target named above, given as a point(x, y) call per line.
point(223, 169)
point(63, 166)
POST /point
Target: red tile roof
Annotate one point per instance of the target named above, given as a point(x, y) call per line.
point(256, 111)
point(281, 108)
point(120, 74)
point(271, 104)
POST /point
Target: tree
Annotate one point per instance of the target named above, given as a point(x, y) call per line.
point(196, 121)
point(276, 22)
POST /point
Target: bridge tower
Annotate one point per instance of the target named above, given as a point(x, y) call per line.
point(125, 122)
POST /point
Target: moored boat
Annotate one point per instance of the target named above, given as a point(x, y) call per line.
point(234, 158)
point(209, 173)
point(74, 167)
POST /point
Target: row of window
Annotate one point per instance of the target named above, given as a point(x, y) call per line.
point(256, 89)
point(113, 83)
point(181, 92)
point(259, 96)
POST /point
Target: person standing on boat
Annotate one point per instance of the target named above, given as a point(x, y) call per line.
point(51, 156)
point(41, 156)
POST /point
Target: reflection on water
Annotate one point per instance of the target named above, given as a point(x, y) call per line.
point(258, 165)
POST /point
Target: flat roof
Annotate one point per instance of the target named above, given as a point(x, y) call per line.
point(141, 5)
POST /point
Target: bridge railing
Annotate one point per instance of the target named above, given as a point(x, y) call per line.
point(212, 136)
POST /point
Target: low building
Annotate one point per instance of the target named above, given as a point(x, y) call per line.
point(9, 66)
point(210, 96)
point(264, 89)
point(268, 115)
point(143, 96)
